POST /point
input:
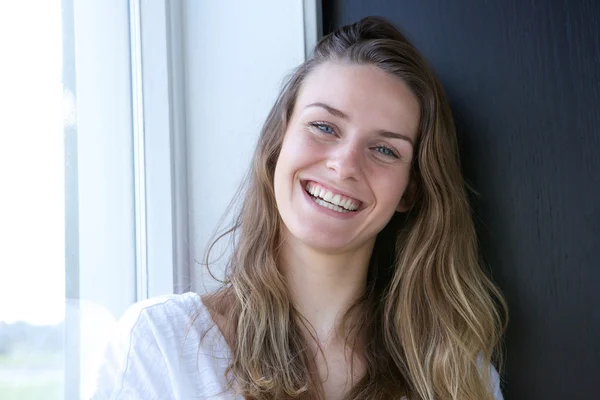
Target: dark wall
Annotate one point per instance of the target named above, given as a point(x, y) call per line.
point(524, 82)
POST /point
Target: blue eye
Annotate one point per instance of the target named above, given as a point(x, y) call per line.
point(386, 151)
point(323, 128)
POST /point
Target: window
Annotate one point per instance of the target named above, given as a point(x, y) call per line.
point(103, 161)
point(32, 202)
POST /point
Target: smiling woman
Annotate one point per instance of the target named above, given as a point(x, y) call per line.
point(340, 138)
point(354, 271)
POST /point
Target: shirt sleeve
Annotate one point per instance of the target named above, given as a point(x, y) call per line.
point(133, 366)
point(495, 383)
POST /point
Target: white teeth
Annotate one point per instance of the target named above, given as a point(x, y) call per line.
point(330, 206)
point(331, 201)
point(349, 205)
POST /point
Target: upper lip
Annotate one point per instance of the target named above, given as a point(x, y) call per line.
point(331, 188)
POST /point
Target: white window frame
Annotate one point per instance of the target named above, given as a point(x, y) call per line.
point(164, 258)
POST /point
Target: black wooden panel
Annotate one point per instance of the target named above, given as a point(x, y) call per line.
point(524, 81)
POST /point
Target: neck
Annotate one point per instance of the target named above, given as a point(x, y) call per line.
point(323, 286)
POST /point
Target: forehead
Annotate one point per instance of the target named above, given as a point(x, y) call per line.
point(371, 97)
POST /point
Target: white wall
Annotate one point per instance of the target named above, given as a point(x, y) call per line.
point(236, 55)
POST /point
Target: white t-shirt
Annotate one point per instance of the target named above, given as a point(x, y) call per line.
point(156, 353)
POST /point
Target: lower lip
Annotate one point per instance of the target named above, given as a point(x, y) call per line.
point(325, 210)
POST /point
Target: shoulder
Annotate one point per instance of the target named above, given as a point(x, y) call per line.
point(178, 306)
point(163, 313)
point(495, 383)
point(492, 373)
point(168, 319)
point(146, 355)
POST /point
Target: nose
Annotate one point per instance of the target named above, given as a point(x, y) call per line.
point(345, 160)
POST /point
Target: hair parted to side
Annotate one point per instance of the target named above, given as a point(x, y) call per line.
point(433, 317)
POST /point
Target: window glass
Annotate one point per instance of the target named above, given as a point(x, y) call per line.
point(32, 206)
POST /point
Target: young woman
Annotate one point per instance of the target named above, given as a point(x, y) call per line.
point(354, 272)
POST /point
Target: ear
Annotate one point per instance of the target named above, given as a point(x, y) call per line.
point(409, 196)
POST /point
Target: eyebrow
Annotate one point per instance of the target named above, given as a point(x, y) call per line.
point(343, 115)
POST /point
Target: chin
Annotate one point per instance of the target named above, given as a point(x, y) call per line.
point(320, 240)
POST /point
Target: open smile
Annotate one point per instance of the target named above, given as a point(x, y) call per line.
point(330, 199)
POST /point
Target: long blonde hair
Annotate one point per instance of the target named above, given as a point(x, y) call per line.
point(433, 318)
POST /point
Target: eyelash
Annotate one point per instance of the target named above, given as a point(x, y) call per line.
point(318, 125)
point(388, 151)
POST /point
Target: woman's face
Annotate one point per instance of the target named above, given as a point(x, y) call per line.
point(345, 160)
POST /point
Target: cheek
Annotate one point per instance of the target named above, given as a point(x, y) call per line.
point(288, 163)
point(391, 188)
point(299, 151)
